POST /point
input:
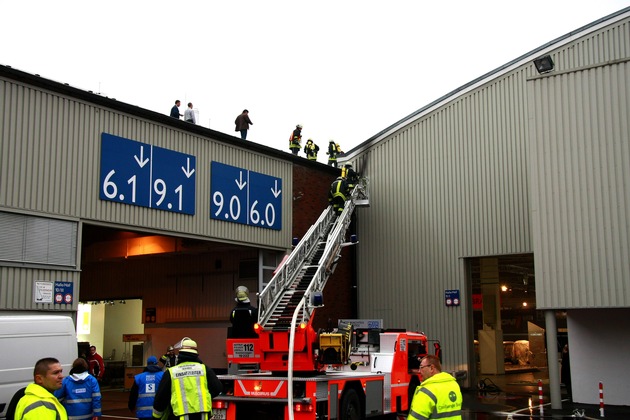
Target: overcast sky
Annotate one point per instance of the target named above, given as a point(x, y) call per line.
point(345, 70)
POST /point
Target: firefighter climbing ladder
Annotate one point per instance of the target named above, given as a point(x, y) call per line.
point(305, 272)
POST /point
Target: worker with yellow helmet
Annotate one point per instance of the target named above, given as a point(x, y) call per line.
point(188, 388)
point(243, 316)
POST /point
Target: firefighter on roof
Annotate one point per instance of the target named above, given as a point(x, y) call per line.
point(311, 149)
point(295, 141)
point(333, 150)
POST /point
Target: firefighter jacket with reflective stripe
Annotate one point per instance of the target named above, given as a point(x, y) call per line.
point(81, 396)
point(339, 188)
point(39, 404)
point(146, 385)
point(296, 139)
point(189, 389)
point(438, 397)
point(311, 149)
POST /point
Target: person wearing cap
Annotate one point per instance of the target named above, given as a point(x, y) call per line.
point(243, 316)
point(188, 388)
point(143, 390)
point(80, 393)
point(295, 141)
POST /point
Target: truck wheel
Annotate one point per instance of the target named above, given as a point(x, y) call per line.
point(350, 406)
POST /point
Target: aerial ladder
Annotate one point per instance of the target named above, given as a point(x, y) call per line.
point(298, 282)
point(290, 371)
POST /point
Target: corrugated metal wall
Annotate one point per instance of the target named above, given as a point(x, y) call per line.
point(451, 185)
point(580, 190)
point(17, 286)
point(452, 182)
point(50, 159)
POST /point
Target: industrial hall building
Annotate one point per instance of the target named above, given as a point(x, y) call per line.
point(497, 225)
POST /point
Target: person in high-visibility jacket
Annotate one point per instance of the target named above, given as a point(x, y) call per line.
point(350, 175)
point(187, 389)
point(438, 396)
point(338, 194)
point(38, 402)
point(311, 149)
point(295, 141)
point(333, 151)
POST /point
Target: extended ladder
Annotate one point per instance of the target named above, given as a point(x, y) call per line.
point(305, 272)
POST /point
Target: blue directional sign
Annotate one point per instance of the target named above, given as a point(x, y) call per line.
point(451, 298)
point(145, 175)
point(247, 197)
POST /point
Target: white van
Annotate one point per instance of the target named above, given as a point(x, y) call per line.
point(24, 339)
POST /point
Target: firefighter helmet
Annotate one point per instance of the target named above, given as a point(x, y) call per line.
point(187, 345)
point(242, 294)
point(299, 126)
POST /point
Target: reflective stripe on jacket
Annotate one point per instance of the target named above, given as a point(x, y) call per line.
point(80, 395)
point(147, 383)
point(39, 404)
point(189, 389)
point(438, 397)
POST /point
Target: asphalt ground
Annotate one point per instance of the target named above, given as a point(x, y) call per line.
point(510, 396)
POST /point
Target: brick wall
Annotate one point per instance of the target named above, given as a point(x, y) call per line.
point(311, 183)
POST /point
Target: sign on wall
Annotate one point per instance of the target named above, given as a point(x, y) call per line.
point(144, 175)
point(451, 298)
point(247, 197)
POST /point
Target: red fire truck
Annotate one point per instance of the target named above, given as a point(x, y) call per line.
point(355, 370)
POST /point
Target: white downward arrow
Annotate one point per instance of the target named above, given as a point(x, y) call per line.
point(239, 182)
point(141, 161)
point(275, 191)
point(187, 171)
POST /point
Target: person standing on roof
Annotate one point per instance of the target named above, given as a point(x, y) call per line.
point(311, 149)
point(175, 110)
point(189, 114)
point(243, 316)
point(80, 394)
point(188, 388)
point(143, 390)
point(333, 151)
point(242, 123)
point(295, 141)
point(438, 396)
point(338, 194)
